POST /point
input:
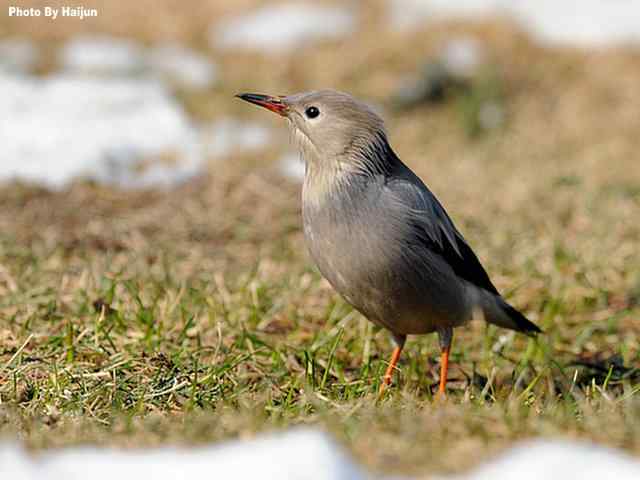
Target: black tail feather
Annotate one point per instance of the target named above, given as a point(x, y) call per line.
point(522, 323)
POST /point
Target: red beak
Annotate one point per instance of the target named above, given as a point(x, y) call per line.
point(275, 104)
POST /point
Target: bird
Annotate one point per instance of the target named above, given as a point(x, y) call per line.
point(377, 233)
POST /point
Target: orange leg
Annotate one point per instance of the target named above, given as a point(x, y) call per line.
point(444, 368)
point(445, 336)
point(395, 356)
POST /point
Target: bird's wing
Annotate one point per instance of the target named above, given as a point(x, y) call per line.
point(433, 227)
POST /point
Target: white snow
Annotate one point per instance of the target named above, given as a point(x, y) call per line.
point(302, 454)
point(102, 55)
point(583, 23)
point(462, 56)
point(298, 455)
point(281, 28)
point(182, 66)
point(228, 136)
point(410, 14)
point(18, 55)
point(58, 128)
point(558, 460)
point(291, 167)
point(110, 56)
point(128, 132)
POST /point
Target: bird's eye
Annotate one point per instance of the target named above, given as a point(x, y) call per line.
point(312, 112)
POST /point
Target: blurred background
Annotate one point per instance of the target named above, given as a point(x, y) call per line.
point(149, 221)
point(115, 96)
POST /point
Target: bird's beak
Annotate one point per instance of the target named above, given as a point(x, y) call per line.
point(275, 104)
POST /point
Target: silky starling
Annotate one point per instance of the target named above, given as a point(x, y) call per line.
point(377, 233)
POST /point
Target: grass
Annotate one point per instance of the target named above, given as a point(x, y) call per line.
point(193, 315)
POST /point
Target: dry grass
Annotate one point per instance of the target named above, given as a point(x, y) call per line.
point(192, 315)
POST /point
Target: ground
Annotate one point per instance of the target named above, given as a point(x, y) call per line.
point(195, 314)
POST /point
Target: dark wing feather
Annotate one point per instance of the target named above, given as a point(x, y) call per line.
point(436, 230)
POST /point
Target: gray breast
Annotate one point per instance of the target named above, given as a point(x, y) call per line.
point(363, 244)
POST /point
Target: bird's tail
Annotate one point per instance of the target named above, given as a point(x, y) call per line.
point(498, 312)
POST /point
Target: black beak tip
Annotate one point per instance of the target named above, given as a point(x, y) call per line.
point(275, 104)
point(252, 97)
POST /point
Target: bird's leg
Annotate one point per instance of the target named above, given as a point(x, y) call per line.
point(445, 336)
point(398, 341)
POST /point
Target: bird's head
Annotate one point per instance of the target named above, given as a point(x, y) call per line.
point(333, 131)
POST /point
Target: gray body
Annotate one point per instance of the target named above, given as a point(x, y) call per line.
point(375, 230)
point(373, 257)
point(389, 248)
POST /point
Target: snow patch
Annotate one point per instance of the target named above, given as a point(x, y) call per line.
point(462, 56)
point(281, 28)
point(228, 136)
point(110, 56)
point(297, 455)
point(292, 167)
point(102, 55)
point(582, 23)
point(557, 460)
point(182, 66)
point(411, 14)
point(125, 132)
point(18, 55)
point(302, 454)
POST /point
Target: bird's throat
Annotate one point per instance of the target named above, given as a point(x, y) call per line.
point(320, 182)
